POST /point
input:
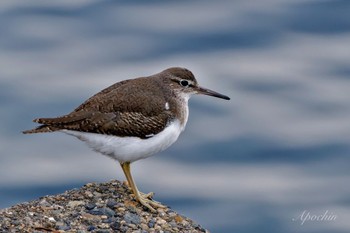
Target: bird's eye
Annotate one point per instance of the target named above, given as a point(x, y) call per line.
point(184, 83)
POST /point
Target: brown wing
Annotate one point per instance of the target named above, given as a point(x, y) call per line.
point(119, 124)
point(121, 110)
point(143, 95)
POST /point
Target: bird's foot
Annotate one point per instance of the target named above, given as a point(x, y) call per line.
point(146, 201)
point(147, 195)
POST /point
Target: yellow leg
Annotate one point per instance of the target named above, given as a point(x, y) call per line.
point(144, 199)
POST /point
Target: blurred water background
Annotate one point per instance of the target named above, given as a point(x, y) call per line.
point(256, 163)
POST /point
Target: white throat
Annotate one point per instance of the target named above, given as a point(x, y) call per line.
point(184, 97)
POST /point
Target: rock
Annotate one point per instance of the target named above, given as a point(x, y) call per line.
point(115, 226)
point(106, 207)
point(151, 223)
point(111, 203)
point(107, 211)
point(132, 218)
point(44, 202)
point(91, 228)
point(73, 204)
point(90, 206)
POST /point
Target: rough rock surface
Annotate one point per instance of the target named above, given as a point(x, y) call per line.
point(103, 208)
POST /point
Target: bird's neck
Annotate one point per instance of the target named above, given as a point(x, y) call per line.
point(181, 108)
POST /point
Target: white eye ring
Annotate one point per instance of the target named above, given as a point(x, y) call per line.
point(184, 83)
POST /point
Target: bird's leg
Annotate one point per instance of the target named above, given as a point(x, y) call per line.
point(144, 199)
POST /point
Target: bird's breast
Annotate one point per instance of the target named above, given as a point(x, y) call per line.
point(130, 149)
point(181, 110)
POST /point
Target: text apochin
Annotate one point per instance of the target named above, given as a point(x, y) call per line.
point(308, 216)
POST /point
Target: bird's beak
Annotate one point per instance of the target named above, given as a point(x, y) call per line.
point(204, 91)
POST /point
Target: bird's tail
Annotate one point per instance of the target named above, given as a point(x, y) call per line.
point(48, 125)
point(41, 129)
point(56, 123)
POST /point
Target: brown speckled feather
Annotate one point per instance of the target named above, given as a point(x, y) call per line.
point(135, 102)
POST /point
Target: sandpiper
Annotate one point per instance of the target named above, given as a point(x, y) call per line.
point(132, 119)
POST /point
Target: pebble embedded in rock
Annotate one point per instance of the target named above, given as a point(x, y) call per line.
point(111, 203)
point(132, 218)
point(73, 204)
point(43, 202)
point(90, 206)
point(151, 223)
point(115, 226)
point(91, 228)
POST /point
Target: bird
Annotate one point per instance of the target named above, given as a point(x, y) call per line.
point(132, 120)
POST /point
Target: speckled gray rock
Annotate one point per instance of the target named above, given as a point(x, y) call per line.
point(104, 208)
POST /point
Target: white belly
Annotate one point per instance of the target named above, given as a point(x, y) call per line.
point(130, 149)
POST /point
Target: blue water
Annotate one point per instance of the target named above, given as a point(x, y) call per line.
point(279, 148)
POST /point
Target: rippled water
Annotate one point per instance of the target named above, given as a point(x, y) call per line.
point(275, 154)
